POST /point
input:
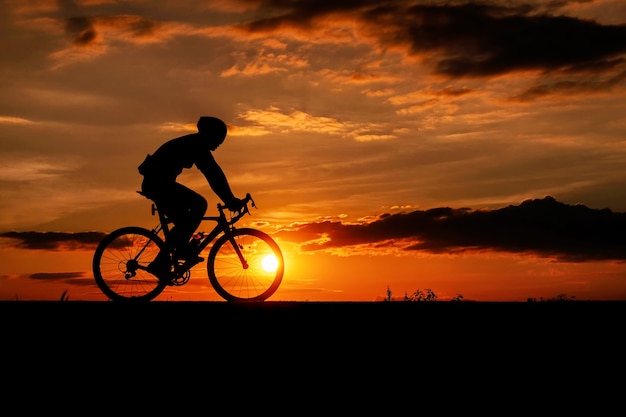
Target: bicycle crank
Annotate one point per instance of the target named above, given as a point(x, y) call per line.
point(181, 279)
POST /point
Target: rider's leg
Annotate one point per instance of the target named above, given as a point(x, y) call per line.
point(185, 208)
point(187, 215)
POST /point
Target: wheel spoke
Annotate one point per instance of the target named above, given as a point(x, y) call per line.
point(119, 265)
point(251, 279)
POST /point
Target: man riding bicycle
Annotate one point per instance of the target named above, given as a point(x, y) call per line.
point(183, 206)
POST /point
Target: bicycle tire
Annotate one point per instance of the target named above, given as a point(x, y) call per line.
point(234, 282)
point(117, 253)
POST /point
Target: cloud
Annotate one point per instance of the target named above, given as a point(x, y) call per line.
point(92, 33)
point(461, 39)
point(56, 275)
point(266, 63)
point(32, 170)
point(11, 120)
point(74, 278)
point(78, 28)
point(454, 39)
point(480, 40)
point(55, 241)
point(457, 38)
point(570, 87)
point(299, 121)
point(80, 31)
point(540, 227)
point(87, 30)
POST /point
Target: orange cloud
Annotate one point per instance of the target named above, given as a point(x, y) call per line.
point(299, 121)
point(265, 63)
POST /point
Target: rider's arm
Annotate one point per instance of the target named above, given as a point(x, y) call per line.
point(217, 180)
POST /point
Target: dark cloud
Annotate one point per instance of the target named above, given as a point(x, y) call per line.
point(81, 28)
point(452, 92)
point(143, 28)
point(471, 39)
point(543, 227)
point(56, 275)
point(478, 40)
point(83, 279)
point(570, 87)
point(78, 28)
point(55, 240)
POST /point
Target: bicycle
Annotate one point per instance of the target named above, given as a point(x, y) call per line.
point(244, 264)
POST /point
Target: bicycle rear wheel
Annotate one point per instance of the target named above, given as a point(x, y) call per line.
point(256, 279)
point(119, 264)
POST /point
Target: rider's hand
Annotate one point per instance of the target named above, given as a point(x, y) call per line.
point(236, 205)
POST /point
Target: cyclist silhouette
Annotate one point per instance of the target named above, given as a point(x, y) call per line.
point(183, 206)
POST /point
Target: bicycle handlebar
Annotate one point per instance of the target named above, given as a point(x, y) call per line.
point(244, 209)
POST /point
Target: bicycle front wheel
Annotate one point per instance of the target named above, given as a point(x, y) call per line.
point(120, 261)
point(245, 265)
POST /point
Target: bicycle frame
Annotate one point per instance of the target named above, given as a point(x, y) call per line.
point(223, 225)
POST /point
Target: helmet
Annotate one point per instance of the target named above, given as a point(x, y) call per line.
point(213, 126)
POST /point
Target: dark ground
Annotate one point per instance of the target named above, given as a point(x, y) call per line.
point(356, 324)
point(380, 352)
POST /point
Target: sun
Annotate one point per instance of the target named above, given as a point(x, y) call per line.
point(269, 263)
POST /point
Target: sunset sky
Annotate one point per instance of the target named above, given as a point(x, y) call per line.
point(474, 148)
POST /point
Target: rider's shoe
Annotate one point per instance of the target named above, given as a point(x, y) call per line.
point(195, 259)
point(161, 269)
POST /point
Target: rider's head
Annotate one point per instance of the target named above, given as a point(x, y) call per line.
point(213, 129)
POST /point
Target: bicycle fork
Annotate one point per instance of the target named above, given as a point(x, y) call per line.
point(238, 248)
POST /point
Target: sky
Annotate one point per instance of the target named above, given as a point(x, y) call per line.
point(468, 148)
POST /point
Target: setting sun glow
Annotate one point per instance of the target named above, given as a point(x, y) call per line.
point(270, 263)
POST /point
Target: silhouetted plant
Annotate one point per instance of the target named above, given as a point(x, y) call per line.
point(419, 295)
point(562, 297)
point(388, 294)
point(457, 297)
point(64, 296)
